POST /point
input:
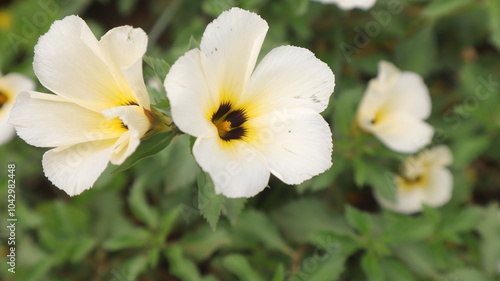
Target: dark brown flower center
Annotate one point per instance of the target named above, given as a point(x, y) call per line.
point(229, 122)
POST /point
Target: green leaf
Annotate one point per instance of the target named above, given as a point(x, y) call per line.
point(493, 7)
point(300, 218)
point(359, 171)
point(382, 182)
point(131, 268)
point(209, 203)
point(180, 266)
point(419, 52)
point(465, 151)
point(358, 220)
point(489, 228)
point(159, 66)
point(371, 267)
point(81, 248)
point(437, 9)
point(204, 242)
point(395, 270)
point(132, 238)
point(405, 229)
point(467, 274)
point(167, 222)
point(233, 207)
point(466, 220)
point(125, 7)
point(258, 226)
point(279, 275)
point(139, 203)
point(418, 258)
point(147, 148)
point(239, 266)
point(320, 267)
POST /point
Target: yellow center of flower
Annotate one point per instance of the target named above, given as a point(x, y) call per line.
point(3, 99)
point(414, 182)
point(230, 122)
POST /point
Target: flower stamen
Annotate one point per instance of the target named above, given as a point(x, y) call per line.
point(3, 99)
point(229, 123)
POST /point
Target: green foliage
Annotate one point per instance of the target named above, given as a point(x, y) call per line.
point(157, 216)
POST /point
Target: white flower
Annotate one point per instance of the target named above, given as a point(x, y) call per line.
point(10, 86)
point(424, 180)
point(101, 107)
point(350, 4)
point(250, 123)
point(394, 107)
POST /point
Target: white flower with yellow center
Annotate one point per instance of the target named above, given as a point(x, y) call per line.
point(394, 107)
point(10, 86)
point(101, 107)
point(250, 123)
point(350, 4)
point(424, 179)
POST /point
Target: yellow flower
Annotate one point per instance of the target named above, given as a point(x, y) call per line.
point(100, 110)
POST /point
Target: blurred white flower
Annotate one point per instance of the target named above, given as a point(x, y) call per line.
point(101, 107)
point(250, 123)
point(350, 4)
point(394, 107)
point(10, 86)
point(424, 179)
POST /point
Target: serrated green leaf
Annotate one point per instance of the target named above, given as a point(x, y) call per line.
point(358, 220)
point(209, 203)
point(395, 270)
point(405, 229)
point(131, 268)
point(133, 238)
point(320, 267)
point(437, 9)
point(159, 66)
point(418, 258)
point(147, 148)
point(371, 267)
point(180, 266)
point(81, 248)
point(239, 266)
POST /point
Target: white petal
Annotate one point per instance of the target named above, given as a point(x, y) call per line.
point(48, 121)
point(388, 73)
point(292, 76)
point(16, 83)
point(407, 201)
point(189, 96)
point(439, 187)
point(76, 168)
point(297, 144)
point(409, 94)
point(351, 4)
point(68, 62)
point(7, 131)
point(370, 106)
point(403, 133)
point(124, 47)
point(137, 123)
point(236, 170)
point(232, 43)
point(439, 156)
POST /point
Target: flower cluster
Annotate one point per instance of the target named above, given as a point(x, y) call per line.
point(249, 119)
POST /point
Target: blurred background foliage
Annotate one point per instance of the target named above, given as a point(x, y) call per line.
point(160, 220)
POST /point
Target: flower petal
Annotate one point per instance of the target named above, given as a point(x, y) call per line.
point(439, 187)
point(409, 94)
point(16, 83)
point(296, 143)
point(292, 76)
point(124, 48)
point(403, 133)
point(439, 156)
point(137, 123)
point(237, 170)
point(351, 4)
point(189, 96)
point(68, 61)
point(370, 106)
point(232, 43)
point(76, 168)
point(48, 121)
point(7, 131)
